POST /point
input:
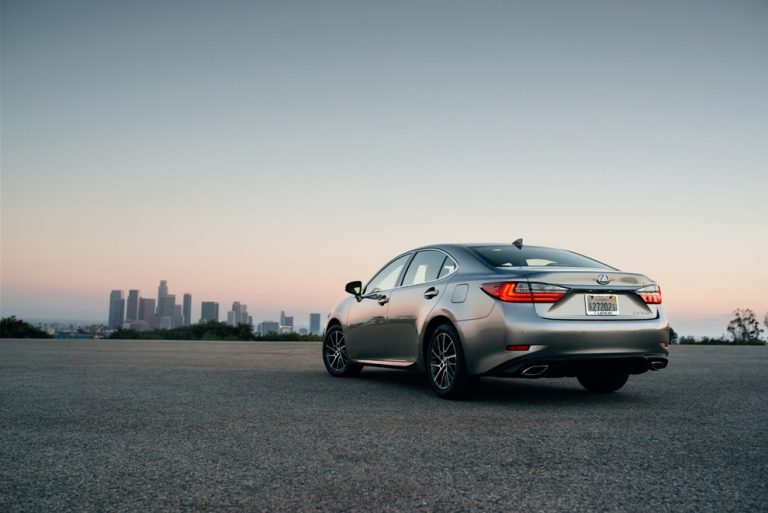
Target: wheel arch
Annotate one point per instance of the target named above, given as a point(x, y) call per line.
point(429, 329)
point(333, 321)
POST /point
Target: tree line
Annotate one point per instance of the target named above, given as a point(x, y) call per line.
point(211, 330)
point(743, 329)
point(11, 327)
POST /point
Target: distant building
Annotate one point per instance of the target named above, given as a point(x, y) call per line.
point(314, 323)
point(147, 310)
point(136, 325)
point(116, 309)
point(166, 305)
point(178, 316)
point(132, 306)
point(267, 328)
point(187, 309)
point(162, 290)
point(166, 308)
point(209, 311)
point(241, 314)
point(238, 314)
point(288, 323)
point(303, 331)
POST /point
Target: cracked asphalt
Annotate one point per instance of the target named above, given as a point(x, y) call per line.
point(254, 426)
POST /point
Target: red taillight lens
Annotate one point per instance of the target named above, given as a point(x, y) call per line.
point(508, 292)
point(517, 292)
point(512, 347)
point(650, 294)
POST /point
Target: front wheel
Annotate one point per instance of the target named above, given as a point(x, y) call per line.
point(603, 383)
point(335, 356)
point(446, 367)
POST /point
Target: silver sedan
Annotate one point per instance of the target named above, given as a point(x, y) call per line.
point(461, 311)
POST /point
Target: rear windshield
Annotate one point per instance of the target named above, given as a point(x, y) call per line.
point(531, 256)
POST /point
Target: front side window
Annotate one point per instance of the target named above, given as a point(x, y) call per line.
point(425, 266)
point(386, 279)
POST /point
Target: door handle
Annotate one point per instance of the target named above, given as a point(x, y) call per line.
point(431, 292)
point(383, 300)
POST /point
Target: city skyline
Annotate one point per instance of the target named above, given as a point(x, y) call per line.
point(272, 152)
point(139, 313)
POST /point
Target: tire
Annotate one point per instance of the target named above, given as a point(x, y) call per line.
point(446, 367)
point(603, 383)
point(335, 356)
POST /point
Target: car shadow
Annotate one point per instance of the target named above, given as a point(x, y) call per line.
point(556, 391)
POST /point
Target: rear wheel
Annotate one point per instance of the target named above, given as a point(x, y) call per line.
point(335, 356)
point(603, 383)
point(446, 367)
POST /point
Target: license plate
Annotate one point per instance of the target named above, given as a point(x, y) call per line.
point(602, 304)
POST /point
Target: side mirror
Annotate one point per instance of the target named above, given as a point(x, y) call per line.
point(354, 288)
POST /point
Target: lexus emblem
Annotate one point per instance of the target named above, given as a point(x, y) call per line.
point(603, 279)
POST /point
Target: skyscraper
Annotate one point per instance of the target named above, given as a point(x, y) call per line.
point(238, 314)
point(116, 309)
point(166, 308)
point(209, 311)
point(132, 306)
point(147, 310)
point(314, 324)
point(286, 322)
point(242, 315)
point(178, 316)
point(162, 290)
point(187, 309)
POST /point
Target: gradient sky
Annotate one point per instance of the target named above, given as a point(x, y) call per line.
point(269, 152)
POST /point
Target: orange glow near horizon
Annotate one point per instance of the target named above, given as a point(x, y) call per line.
point(304, 279)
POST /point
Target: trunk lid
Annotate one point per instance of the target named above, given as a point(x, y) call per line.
point(583, 282)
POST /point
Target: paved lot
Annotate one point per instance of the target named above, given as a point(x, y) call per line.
point(151, 426)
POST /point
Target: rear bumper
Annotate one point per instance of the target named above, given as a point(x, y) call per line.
point(629, 344)
point(534, 367)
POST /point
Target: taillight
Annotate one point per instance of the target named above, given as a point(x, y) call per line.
point(519, 292)
point(650, 294)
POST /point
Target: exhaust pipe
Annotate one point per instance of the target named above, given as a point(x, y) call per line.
point(535, 370)
point(658, 364)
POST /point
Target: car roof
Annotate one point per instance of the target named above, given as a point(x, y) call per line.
point(454, 245)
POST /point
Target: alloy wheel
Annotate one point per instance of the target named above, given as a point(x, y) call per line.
point(442, 361)
point(336, 351)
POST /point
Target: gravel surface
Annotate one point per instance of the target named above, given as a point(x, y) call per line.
point(249, 426)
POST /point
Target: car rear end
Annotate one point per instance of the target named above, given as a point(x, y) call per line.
point(552, 321)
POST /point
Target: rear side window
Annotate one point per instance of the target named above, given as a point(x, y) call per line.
point(531, 256)
point(425, 266)
point(448, 267)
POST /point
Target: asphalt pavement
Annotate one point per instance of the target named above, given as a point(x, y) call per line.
point(253, 426)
